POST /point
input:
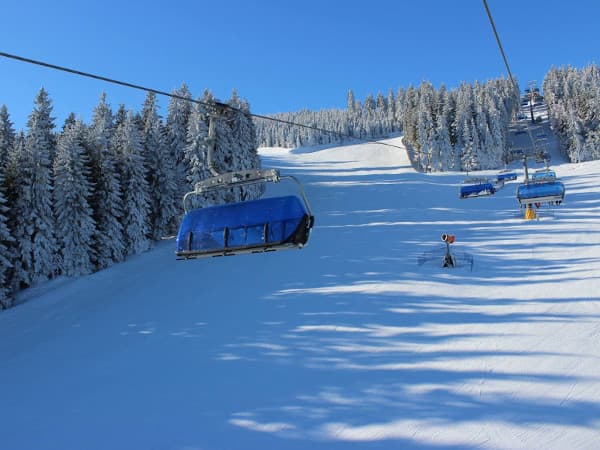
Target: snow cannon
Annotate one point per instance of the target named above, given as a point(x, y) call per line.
point(449, 259)
point(448, 238)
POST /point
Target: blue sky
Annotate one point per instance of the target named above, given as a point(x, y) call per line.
point(280, 56)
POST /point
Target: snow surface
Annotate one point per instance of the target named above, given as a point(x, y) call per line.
point(346, 344)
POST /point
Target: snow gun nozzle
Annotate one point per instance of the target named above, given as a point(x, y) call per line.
point(448, 238)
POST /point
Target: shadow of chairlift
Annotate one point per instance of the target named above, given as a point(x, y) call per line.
point(251, 226)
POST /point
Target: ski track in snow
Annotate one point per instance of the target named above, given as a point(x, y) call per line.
point(346, 344)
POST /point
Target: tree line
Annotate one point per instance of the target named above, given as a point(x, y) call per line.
point(77, 200)
point(460, 129)
point(573, 99)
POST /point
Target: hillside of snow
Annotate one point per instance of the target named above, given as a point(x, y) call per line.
point(349, 343)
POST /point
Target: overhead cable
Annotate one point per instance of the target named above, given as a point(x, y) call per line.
point(179, 97)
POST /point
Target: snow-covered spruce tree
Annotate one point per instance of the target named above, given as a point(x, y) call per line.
point(350, 102)
point(134, 187)
point(399, 109)
point(120, 116)
point(75, 225)
point(409, 125)
point(195, 149)
point(160, 170)
point(225, 155)
point(468, 161)
point(69, 121)
point(40, 146)
point(7, 254)
point(18, 194)
point(7, 250)
point(177, 124)
point(426, 124)
point(449, 158)
point(106, 199)
point(7, 135)
point(243, 144)
point(391, 112)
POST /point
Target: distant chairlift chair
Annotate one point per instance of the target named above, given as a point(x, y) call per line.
point(506, 175)
point(476, 187)
point(252, 226)
point(542, 188)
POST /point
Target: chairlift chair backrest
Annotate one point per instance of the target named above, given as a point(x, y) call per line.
point(550, 192)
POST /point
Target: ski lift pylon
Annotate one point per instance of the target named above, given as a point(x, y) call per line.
point(250, 226)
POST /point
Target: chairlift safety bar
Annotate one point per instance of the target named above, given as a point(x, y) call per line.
point(243, 178)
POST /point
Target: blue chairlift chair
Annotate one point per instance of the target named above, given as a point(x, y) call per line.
point(537, 193)
point(506, 175)
point(476, 187)
point(252, 226)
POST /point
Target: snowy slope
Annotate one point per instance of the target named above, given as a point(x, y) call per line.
point(346, 344)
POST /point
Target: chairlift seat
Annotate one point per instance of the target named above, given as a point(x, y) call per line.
point(506, 176)
point(552, 192)
point(476, 187)
point(543, 175)
point(266, 224)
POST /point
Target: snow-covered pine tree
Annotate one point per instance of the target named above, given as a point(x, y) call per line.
point(243, 136)
point(445, 151)
point(7, 253)
point(350, 102)
point(195, 149)
point(409, 116)
point(40, 146)
point(226, 154)
point(369, 104)
point(425, 135)
point(160, 169)
point(381, 103)
point(467, 155)
point(18, 194)
point(176, 130)
point(120, 116)
point(575, 135)
point(6, 249)
point(497, 135)
point(134, 187)
point(106, 201)
point(443, 131)
point(7, 135)
point(75, 225)
point(391, 112)
point(69, 122)
point(399, 109)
